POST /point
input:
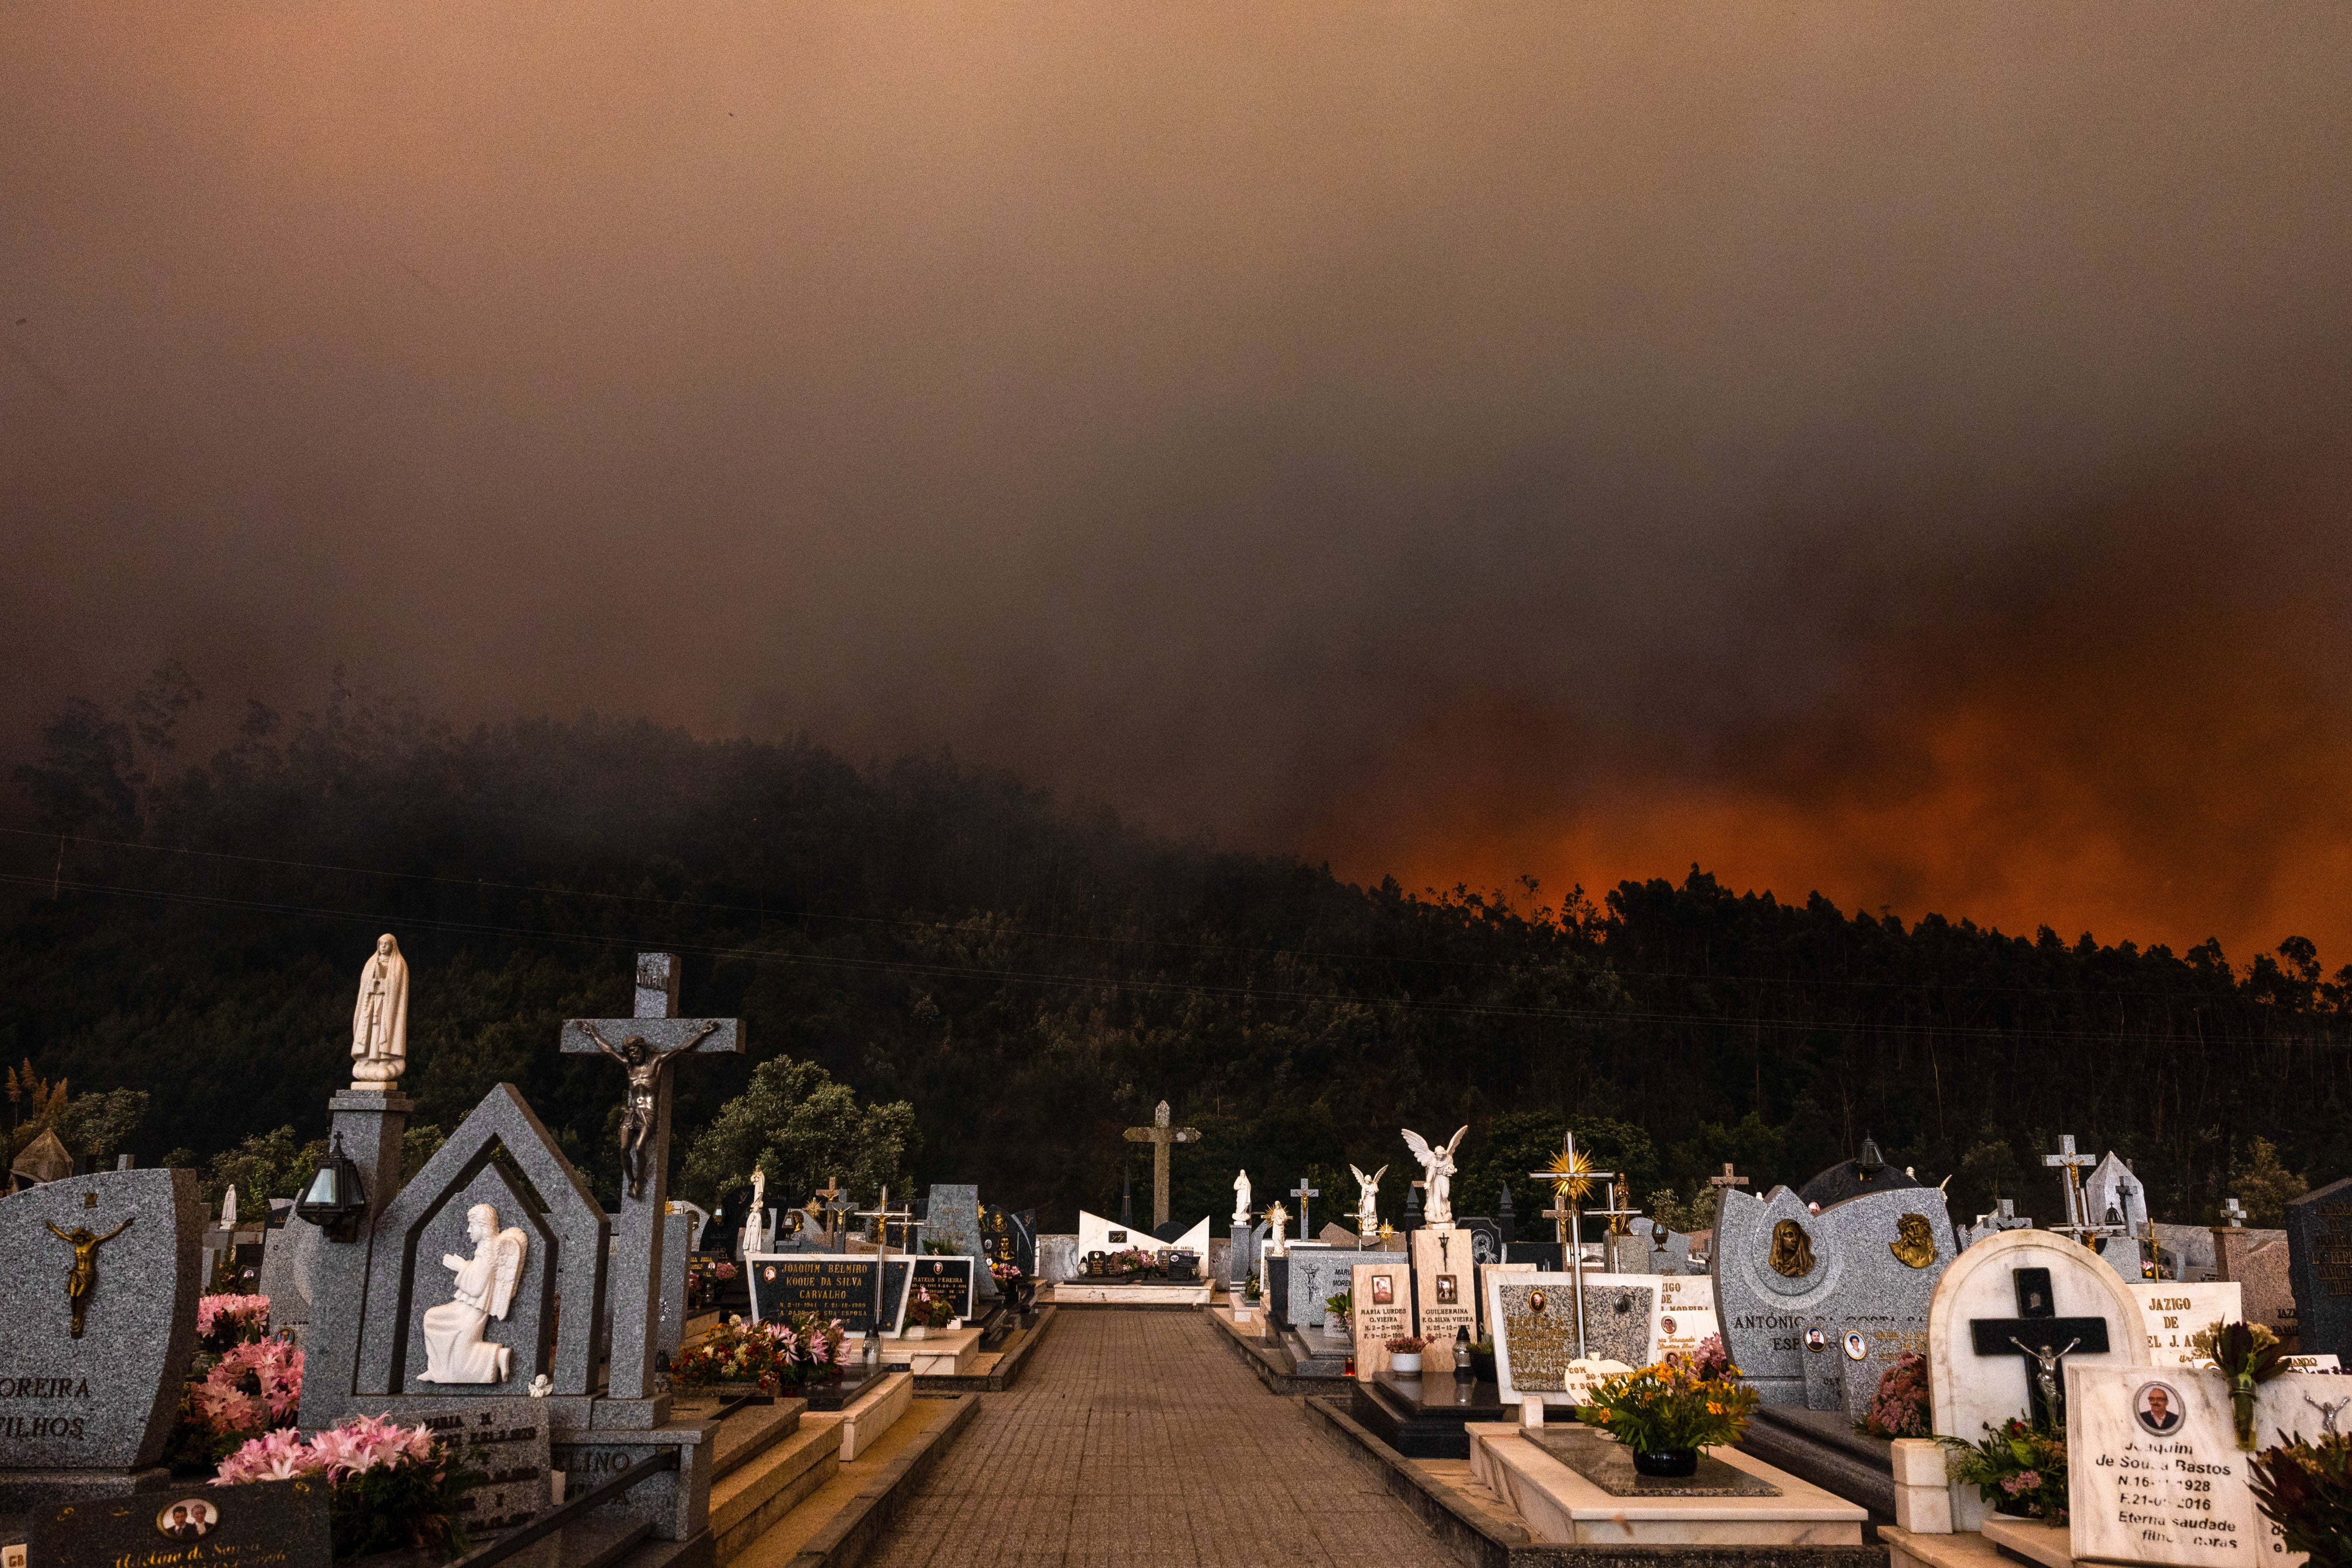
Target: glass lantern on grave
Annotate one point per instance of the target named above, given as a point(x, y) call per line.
point(334, 1199)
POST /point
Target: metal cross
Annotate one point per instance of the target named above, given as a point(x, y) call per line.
point(2078, 1209)
point(1572, 1233)
point(882, 1213)
point(1302, 1192)
point(1616, 1216)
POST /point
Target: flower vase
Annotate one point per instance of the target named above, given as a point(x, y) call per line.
point(2241, 1409)
point(915, 1331)
point(1405, 1363)
point(954, 1324)
point(1668, 1464)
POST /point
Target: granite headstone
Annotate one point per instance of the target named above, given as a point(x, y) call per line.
point(2319, 1268)
point(1319, 1272)
point(830, 1285)
point(2257, 1260)
point(503, 1440)
point(92, 1382)
point(1534, 1324)
point(261, 1523)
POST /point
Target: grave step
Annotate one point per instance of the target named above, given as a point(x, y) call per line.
point(765, 1489)
point(748, 1432)
point(842, 1519)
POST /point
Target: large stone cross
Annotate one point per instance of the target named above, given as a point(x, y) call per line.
point(2043, 1339)
point(2235, 1212)
point(646, 1045)
point(1160, 1135)
point(2078, 1213)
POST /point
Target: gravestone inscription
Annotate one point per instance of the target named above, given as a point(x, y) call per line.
point(1383, 1296)
point(1316, 1273)
point(948, 1276)
point(1445, 1284)
point(830, 1285)
point(506, 1442)
point(265, 1524)
point(1534, 1322)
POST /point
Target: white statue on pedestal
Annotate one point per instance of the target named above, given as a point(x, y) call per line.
point(1437, 1176)
point(1368, 1204)
point(1277, 1217)
point(380, 1019)
point(454, 1349)
point(1241, 1198)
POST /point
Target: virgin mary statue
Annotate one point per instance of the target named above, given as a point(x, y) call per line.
point(454, 1349)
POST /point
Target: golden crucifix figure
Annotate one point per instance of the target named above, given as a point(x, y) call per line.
point(83, 1275)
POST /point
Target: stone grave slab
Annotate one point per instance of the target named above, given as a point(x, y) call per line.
point(1673, 1255)
point(1844, 1365)
point(2319, 1268)
point(2188, 1249)
point(950, 1276)
point(261, 1522)
point(101, 1394)
point(508, 1441)
point(1096, 1233)
point(1383, 1293)
point(287, 1255)
point(1784, 1274)
point(1610, 1465)
point(1996, 1292)
point(1317, 1272)
point(1535, 1330)
point(830, 1285)
point(1445, 1284)
point(2155, 1474)
point(1011, 1238)
point(2257, 1260)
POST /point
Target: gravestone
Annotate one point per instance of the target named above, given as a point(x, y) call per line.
point(1547, 1257)
point(1445, 1284)
point(1096, 1233)
point(950, 1277)
point(2154, 1473)
point(2004, 1216)
point(506, 1440)
point(831, 1285)
point(2111, 1187)
point(1317, 1272)
point(2319, 1268)
point(1485, 1239)
point(1673, 1255)
point(1784, 1275)
point(1866, 1174)
point(2175, 1311)
point(1534, 1324)
point(1058, 1257)
point(288, 1254)
point(2190, 1248)
point(261, 1522)
point(699, 1218)
point(2029, 1287)
point(1383, 1297)
point(1010, 1237)
point(1335, 1235)
point(101, 1275)
point(951, 1210)
point(2258, 1261)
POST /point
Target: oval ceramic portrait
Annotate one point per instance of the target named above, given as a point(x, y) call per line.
point(2157, 1408)
point(1856, 1347)
point(189, 1519)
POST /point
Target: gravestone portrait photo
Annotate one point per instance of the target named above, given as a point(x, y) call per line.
point(189, 1519)
point(2157, 1407)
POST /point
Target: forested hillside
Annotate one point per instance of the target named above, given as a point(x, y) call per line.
point(1031, 977)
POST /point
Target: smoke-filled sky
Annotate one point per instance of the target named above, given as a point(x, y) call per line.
point(1897, 450)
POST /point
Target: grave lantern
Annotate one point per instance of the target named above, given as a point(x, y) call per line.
point(335, 1200)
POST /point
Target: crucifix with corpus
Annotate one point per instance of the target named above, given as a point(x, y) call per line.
point(2078, 1209)
point(1160, 1135)
point(883, 1216)
point(2044, 1339)
point(646, 1045)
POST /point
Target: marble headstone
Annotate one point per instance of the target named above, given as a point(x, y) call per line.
point(1096, 1233)
point(1784, 1274)
point(106, 1400)
point(2155, 1474)
point(1444, 1283)
point(2175, 1311)
point(1985, 1284)
point(259, 1522)
point(830, 1285)
point(1316, 1273)
point(2319, 1268)
point(1383, 1293)
point(950, 1276)
point(1058, 1257)
point(1485, 1239)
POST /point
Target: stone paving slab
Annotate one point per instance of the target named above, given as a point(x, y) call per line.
point(1136, 1437)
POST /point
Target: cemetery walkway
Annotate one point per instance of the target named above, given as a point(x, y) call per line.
point(1138, 1437)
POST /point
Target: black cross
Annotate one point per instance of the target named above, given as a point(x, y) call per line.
point(2044, 1339)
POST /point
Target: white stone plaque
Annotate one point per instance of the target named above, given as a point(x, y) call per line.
point(1383, 1311)
point(1445, 1285)
point(2155, 1474)
point(2177, 1311)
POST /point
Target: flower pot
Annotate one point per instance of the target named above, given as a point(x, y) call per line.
point(1483, 1363)
point(1668, 1464)
point(915, 1331)
point(953, 1324)
point(1405, 1363)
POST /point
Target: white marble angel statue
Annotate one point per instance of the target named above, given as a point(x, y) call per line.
point(380, 1019)
point(1368, 1203)
point(1241, 1198)
point(1437, 1176)
point(454, 1349)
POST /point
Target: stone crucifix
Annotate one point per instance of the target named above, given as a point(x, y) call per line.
point(646, 1047)
point(2078, 1209)
point(1160, 1135)
point(1304, 1193)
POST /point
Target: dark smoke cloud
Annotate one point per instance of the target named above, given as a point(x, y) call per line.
point(1891, 450)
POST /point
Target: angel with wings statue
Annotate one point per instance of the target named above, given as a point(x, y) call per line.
point(1437, 1176)
point(1367, 1201)
point(454, 1349)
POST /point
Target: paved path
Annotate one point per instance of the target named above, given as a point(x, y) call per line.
point(1138, 1437)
